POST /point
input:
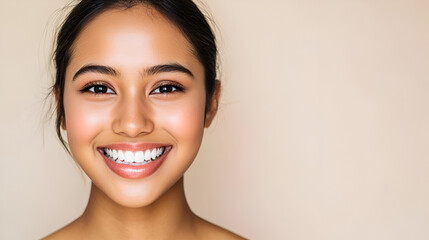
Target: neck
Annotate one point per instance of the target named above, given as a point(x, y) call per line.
point(167, 218)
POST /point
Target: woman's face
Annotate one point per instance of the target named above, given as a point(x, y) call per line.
point(134, 102)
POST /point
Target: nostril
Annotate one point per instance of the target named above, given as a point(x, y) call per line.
point(132, 126)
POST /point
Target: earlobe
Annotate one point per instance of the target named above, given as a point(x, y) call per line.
point(214, 103)
point(63, 124)
point(57, 104)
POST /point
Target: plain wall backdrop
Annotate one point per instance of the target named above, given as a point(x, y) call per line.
point(322, 131)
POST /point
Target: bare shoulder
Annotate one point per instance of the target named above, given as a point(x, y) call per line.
point(208, 230)
point(70, 231)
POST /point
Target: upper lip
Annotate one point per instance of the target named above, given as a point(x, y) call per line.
point(135, 146)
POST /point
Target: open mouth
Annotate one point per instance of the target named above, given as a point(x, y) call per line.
point(136, 158)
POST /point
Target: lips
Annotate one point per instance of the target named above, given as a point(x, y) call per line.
point(134, 161)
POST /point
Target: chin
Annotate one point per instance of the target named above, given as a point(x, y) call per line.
point(135, 202)
point(133, 194)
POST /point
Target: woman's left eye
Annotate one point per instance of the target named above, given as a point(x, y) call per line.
point(166, 89)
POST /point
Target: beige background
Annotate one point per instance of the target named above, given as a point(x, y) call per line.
point(322, 134)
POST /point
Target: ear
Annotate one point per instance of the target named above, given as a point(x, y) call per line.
point(214, 103)
point(57, 103)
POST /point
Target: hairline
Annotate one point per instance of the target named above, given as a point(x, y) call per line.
point(122, 7)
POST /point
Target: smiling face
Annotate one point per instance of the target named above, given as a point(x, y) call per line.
point(134, 102)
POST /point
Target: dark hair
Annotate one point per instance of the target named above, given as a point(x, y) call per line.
point(183, 13)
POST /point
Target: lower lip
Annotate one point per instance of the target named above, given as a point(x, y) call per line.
point(135, 172)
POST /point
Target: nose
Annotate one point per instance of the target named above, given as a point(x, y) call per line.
point(132, 118)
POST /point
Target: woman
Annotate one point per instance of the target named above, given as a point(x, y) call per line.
point(135, 88)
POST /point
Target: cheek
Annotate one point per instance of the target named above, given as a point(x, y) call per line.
point(185, 120)
point(83, 121)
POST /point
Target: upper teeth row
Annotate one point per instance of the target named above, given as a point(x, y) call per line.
point(138, 157)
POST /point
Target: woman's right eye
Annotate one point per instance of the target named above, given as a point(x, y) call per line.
point(98, 89)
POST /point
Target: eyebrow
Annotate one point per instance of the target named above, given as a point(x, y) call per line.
point(97, 69)
point(168, 68)
point(148, 71)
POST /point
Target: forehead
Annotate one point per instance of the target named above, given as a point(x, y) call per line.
point(133, 37)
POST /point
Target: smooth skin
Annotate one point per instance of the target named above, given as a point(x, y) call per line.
point(133, 104)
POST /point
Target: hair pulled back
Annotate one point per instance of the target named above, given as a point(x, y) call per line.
point(183, 13)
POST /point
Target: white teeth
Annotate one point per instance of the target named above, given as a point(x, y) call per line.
point(139, 157)
point(121, 156)
point(153, 154)
point(115, 155)
point(129, 156)
point(134, 157)
point(147, 155)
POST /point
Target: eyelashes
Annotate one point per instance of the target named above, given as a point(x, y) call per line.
point(97, 88)
point(102, 88)
point(167, 87)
